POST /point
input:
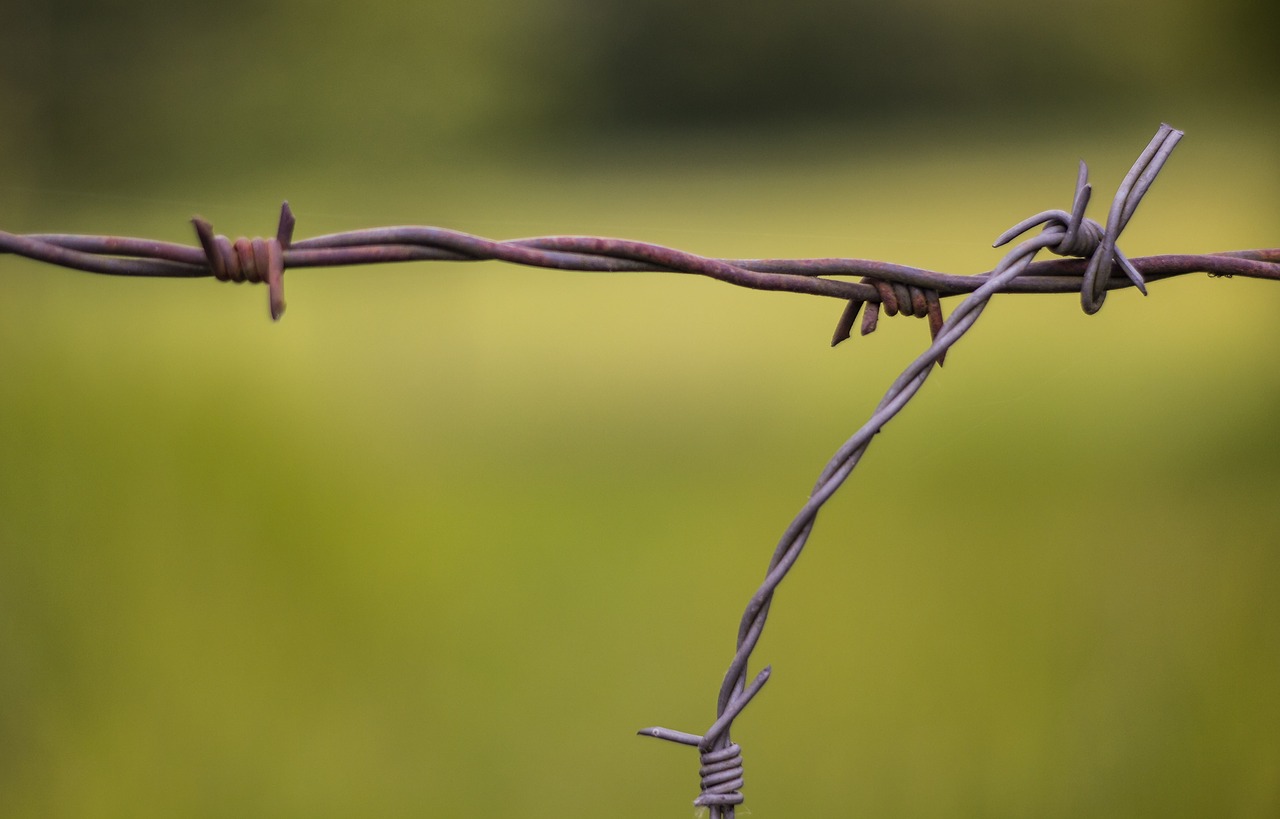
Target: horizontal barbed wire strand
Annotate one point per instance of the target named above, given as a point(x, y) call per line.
point(127, 256)
point(894, 288)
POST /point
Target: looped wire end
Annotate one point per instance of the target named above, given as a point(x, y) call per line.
point(256, 260)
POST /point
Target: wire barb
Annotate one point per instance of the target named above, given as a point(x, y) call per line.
point(895, 297)
point(1085, 238)
point(250, 260)
point(722, 768)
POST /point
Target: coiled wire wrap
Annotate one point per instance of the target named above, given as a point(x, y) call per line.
point(721, 774)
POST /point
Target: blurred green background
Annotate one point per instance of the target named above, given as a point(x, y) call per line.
point(444, 538)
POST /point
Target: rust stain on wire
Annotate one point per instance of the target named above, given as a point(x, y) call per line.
point(1090, 253)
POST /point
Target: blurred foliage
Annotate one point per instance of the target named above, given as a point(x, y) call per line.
point(759, 63)
point(95, 89)
point(443, 538)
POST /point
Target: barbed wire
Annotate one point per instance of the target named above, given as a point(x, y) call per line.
point(1090, 253)
point(892, 287)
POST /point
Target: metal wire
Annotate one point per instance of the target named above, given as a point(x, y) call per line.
point(1063, 233)
point(1091, 249)
point(892, 287)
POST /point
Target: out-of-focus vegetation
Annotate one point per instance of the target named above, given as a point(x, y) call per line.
point(127, 92)
point(443, 538)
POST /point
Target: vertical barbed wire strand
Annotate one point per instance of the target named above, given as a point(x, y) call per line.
point(1066, 234)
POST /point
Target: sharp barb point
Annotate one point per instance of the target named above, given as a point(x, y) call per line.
point(844, 327)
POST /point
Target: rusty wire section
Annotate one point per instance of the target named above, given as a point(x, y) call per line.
point(884, 286)
point(1091, 258)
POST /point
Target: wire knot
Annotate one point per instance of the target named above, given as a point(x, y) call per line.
point(256, 261)
point(1081, 240)
point(1071, 234)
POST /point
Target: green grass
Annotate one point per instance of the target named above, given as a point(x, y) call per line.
point(447, 535)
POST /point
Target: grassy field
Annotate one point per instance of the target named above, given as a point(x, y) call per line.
point(443, 539)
